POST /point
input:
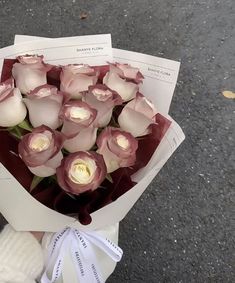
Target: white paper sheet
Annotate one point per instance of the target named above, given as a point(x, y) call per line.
point(89, 49)
point(159, 86)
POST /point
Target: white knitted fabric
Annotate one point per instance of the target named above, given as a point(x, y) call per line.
point(21, 259)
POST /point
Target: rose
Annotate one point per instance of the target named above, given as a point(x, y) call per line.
point(117, 147)
point(44, 104)
point(78, 118)
point(123, 79)
point(12, 108)
point(30, 72)
point(81, 171)
point(137, 115)
point(103, 99)
point(77, 78)
point(127, 72)
point(41, 150)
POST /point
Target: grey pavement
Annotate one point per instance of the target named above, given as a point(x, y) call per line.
point(183, 228)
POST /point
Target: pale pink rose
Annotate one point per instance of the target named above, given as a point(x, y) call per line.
point(74, 79)
point(44, 104)
point(137, 115)
point(41, 151)
point(103, 99)
point(81, 171)
point(78, 117)
point(124, 80)
point(30, 72)
point(12, 108)
point(117, 147)
point(127, 71)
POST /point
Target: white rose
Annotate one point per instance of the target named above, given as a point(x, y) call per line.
point(12, 108)
point(30, 72)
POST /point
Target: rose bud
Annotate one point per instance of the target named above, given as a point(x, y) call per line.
point(78, 118)
point(41, 151)
point(127, 72)
point(30, 72)
point(117, 147)
point(81, 171)
point(103, 99)
point(44, 104)
point(12, 108)
point(137, 115)
point(118, 78)
point(77, 78)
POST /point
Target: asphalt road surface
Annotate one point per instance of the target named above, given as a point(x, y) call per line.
point(182, 229)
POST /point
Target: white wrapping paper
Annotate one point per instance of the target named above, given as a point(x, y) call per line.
point(25, 213)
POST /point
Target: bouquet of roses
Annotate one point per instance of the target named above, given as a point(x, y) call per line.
point(83, 141)
point(81, 131)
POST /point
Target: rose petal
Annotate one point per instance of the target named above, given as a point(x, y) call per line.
point(45, 90)
point(27, 77)
point(111, 161)
point(142, 105)
point(49, 168)
point(127, 90)
point(134, 122)
point(34, 158)
point(50, 156)
point(104, 104)
point(63, 175)
point(43, 112)
point(127, 154)
point(6, 89)
point(76, 79)
point(127, 71)
point(79, 69)
point(55, 161)
point(30, 59)
point(42, 171)
point(99, 174)
point(84, 140)
point(12, 110)
point(114, 154)
point(73, 124)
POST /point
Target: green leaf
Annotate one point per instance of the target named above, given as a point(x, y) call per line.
point(25, 125)
point(65, 151)
point(109, 178)
point(52, 179)
point(36, 180)
point(15, 132)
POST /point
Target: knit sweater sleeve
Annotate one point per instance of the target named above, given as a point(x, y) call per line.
point(21, 259)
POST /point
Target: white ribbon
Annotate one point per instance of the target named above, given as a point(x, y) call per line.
point(80, 245)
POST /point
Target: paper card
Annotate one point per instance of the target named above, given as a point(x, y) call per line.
point(16, 202)
point(160, 74)
point(88, 49)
